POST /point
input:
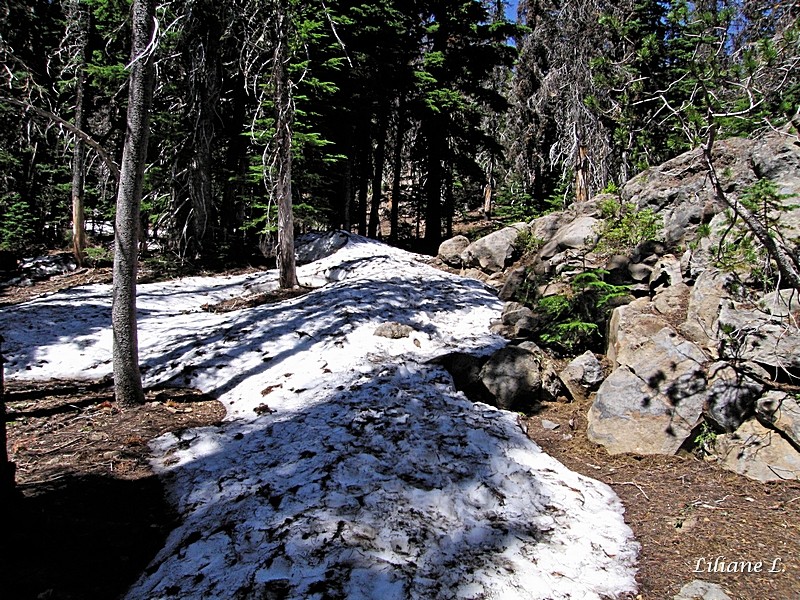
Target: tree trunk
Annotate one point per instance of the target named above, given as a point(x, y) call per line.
point(433, 189)
point(78, 165)
point(363, 191)
point(204, 69)
point(373, 230)
point(79, 151)
point(127, 377)
point(581, 173)
point(287, 273)
point(394, 217)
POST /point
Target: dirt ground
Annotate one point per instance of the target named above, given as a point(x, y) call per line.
point(90, 514)
point(686, 512)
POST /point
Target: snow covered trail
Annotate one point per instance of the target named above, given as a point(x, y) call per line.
point(347, 467)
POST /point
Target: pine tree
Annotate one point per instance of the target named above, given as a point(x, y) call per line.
point(127, 377)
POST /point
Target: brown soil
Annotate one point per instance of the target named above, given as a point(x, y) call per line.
point(683, 510)
point(91, 514)
point(14, 294)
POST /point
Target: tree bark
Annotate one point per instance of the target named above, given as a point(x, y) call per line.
point(394, 216)
point(78, 151)
point(373, 230)
point(205, 72)
point(287, 273)
point(127, 376)
point(581, 173)
point(433, 188)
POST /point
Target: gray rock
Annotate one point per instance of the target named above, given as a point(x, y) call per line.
point(672, 303)
point(617, 267)
point(545, 227)
point(731, 397)
point(549, 425)
point(759, 337)
point(701, 590)
point(513, 284)
point(653, 400)
point(640, 271)
point(708, 293)
point(393, 330)
point(782, 412)
point(475, 274)
point(552, 386)
point(582, 375)
point(582, 233)
point(513, 312)
point(512, 376)
point(758, 453)
point(466, 372)
point(311, 247)
point(450, 250)
point(666, 272)
point(679, 189)
point(628, 415)
point(519, 321)
point(781, 303)
point(496, 251)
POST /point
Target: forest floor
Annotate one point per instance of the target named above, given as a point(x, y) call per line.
point(91, 515)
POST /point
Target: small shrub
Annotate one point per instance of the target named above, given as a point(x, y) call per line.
point(527, 243)
point(609, 208)
point(738, 250)
point(574, 320)
point(705, 439)
point(98, 254)
point(629, 228)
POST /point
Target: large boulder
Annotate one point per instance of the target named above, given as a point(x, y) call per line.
point(512, 375)
point(681, 191)
point(709, 291)
point(653, 400)
point(758, 453)
point(731, 397)
point(496, 251)
point(759, 337)
point(627, 416)
point(582, 233)
point(450, 250)
point(465, 369)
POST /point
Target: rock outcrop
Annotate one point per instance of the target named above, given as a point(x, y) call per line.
point(697, 344)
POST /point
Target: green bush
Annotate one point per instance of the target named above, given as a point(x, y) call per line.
point(627, 227)
point(16, 229)
point(573, 320)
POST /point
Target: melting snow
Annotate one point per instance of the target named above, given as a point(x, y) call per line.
point(347, 466)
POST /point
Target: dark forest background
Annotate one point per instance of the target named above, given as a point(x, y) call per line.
point(406, 114)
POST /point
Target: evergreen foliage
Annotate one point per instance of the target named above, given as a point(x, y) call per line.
point(406, 113)
point(572, 321)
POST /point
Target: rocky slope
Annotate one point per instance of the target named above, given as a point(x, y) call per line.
point(685, 336)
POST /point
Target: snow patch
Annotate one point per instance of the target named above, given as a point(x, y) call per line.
point(367, 475)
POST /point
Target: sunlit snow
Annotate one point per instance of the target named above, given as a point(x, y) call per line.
point(347, 466)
